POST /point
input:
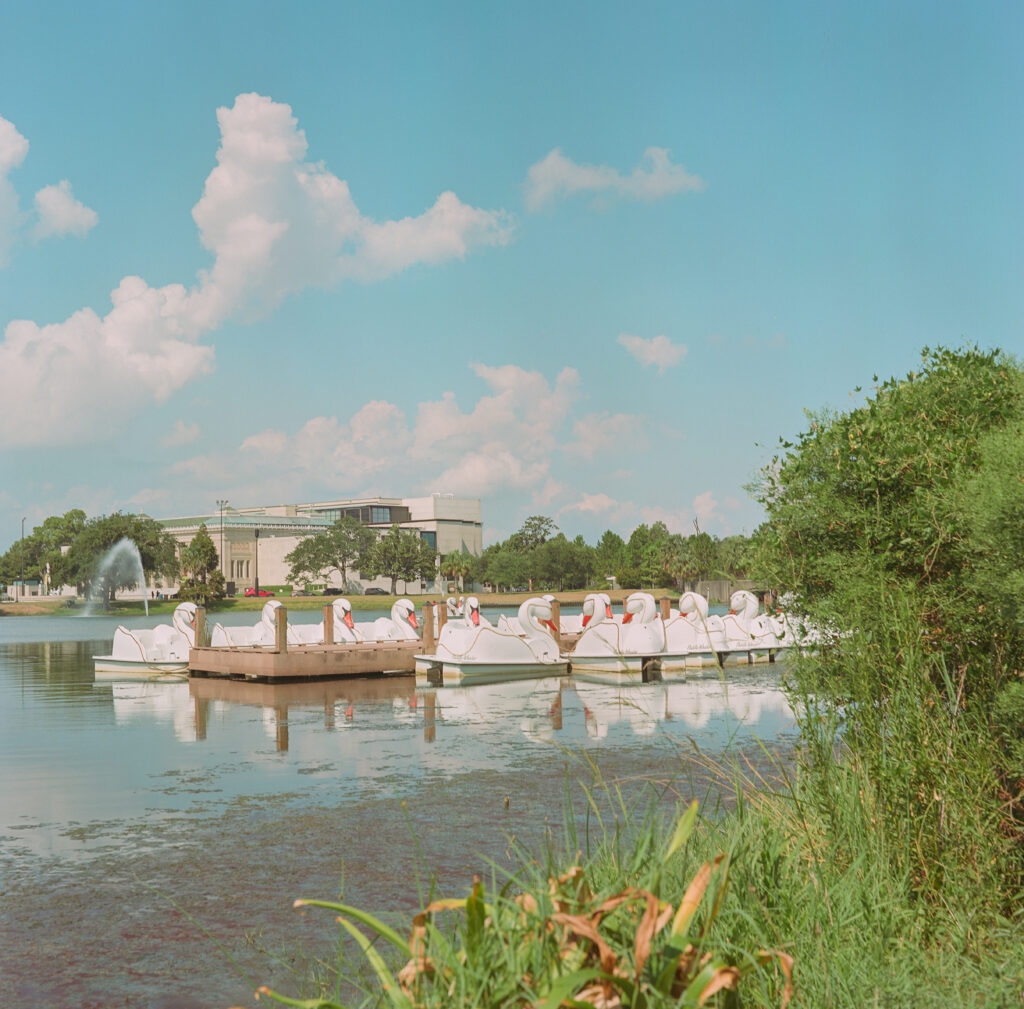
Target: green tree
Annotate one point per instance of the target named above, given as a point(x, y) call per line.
point(204, 582)
point(610, 553)
point(536, 530)
point(157, 551)
point(339, 549)
point(399, 553)
point(458, 565)
point(902, 494)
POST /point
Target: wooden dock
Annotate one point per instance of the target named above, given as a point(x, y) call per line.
point(282, 662)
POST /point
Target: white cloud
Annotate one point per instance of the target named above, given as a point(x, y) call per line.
point(61, 214)
point(83, 378)
point(181, 434)
point(275, 224)
point(557, 176)
point(705, 507)
point(659, 351)
point(603, 433)
point(596, 504)
point(13, 148)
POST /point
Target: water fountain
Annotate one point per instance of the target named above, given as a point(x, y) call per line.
point(123, 563)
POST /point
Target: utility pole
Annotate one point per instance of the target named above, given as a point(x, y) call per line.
point(23, 558)
point(221, 504)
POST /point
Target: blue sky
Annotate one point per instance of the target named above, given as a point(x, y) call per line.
point(583, 260)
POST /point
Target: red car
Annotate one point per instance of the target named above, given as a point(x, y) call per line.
point(262, 592)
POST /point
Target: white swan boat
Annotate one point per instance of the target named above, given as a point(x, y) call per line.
point(749, 636)
point(345, 631)
point(628, 652)
point(693, 638)
point(157, 653)
point(472, 650)
point(260, 635)
point(400, 626)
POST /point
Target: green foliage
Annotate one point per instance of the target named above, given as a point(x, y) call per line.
point(458, 565)
point(898, 524)
point(199, 558)
point(343, 547)
point(41, 552)
point(642, 939)
point(399, 553)
point(1008, 731)
point(916, 492)
point(536, 530)
point(157, 549)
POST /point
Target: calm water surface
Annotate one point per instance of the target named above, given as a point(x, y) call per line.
point(144, 825)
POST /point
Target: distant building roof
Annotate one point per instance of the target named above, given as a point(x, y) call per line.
point(249, 520)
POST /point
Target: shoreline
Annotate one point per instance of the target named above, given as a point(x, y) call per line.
point(57, 606)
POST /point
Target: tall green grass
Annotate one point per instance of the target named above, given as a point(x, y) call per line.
point(881, 862)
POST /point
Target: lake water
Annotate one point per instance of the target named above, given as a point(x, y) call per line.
point(150, 831)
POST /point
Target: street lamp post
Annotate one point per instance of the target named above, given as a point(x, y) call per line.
point(23, 558)
point(221, 503)
point(256, 565)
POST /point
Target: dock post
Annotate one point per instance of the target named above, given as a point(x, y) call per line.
point(442, 616)
point(281, 630)
point(556, 619)
point(428, 629)
point(328, 624)
point(200, 627)
point(666, 608)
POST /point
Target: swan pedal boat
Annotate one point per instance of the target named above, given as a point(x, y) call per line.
point(156, 654)
point(474, 651)
point(612, 652)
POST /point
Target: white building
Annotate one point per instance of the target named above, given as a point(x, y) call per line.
point(252, 542)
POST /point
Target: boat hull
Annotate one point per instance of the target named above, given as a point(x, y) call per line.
point(109, 668)
point(433, 670)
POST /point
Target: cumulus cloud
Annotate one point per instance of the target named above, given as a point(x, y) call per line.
point(61, 214)
point(58, 213)
point(523, 411)
point(556, 176)
point(275, 224)
point(657, 352)
point(505, 441)
point(602, 433)
point(597, 504)
point(13, 148)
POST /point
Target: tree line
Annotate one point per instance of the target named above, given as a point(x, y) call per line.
point(539, 556)
point(68, 550)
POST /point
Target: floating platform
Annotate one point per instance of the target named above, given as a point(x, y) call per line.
point(305, 662)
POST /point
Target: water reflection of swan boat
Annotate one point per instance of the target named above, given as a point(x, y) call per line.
point(160, 652)
point(626, 652)
point(696, 704)
point(472, 650)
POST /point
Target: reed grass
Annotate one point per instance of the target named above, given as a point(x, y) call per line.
point(879, 867)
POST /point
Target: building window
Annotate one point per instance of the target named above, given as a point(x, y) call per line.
point(379, 514)
point(430, 538)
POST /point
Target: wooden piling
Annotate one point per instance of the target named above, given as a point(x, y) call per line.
point(328, 624)
point(666, 607)
point(442, 616)
point(281, 630)
point(428, 629)
point(556, 619)
point(200, 626)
